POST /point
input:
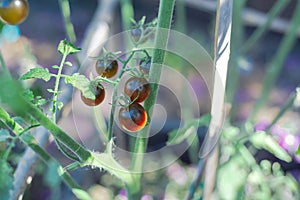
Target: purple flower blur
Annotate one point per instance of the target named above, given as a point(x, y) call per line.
point(289, 142)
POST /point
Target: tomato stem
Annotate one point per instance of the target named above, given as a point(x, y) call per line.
point(30, 141)
point(165, 14)
point(55, 93)
point(115, 96)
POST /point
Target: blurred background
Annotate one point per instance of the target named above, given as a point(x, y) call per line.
point(34, 43)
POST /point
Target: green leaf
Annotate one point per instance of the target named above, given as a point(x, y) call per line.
point(229, 183)
point(142, 21)
point(6, 179)
point(67, 48)
point(68, 63)
point(82, 83)
point(4, 135)
point(28, 94)
point(261, 140)
point(107, 162)
point(50, 90)
point(60, 105)
point(231, 132)
point(55, 67)
point(298, 151)
point(40, 73)
point(178, 136)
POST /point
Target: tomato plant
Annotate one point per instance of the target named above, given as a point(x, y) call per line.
point(247, 160)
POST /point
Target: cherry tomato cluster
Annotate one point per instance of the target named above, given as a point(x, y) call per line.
point(133, 116)
point(105, 68)
point(14, 12)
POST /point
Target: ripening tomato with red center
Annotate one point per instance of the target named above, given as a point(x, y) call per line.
point(133, 118)
point(99, 96)
point(14, 12)
point(137, 88)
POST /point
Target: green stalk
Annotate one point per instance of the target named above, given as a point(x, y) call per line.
point(115, 97)
point(180, 25)
point(233, 69)
point(164, 22)
point(66, 12)
point(276, 64)
point(4, 68)
point(11, 97)
point(288, 104)
point(69, 27)
point(30, 141)
point(259, 32)
point(57, 80)
point(127, 12)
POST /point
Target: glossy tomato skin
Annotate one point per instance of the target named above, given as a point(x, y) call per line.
point(138, 89)
point(15, 12)
point(99, 93)
point(107, 68)
point(145, 65)
point(133, 118)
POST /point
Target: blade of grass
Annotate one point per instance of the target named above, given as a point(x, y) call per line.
point(287, 105)
point(276, 64)
point(233, 69)
point(127, 12)
point(259, 32)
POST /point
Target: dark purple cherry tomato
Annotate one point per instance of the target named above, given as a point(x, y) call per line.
point(99, 93)
point(107, 68)
point(136, 34)
point(145, 65)
point(138, 89)
point(133, 118)
point(15, 12)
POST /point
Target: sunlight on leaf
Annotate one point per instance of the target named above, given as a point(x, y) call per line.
point(107, 162)
point(263, 141)
point(40, 73)
point(231, 178)
point(67, 48)
point(82, 83)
